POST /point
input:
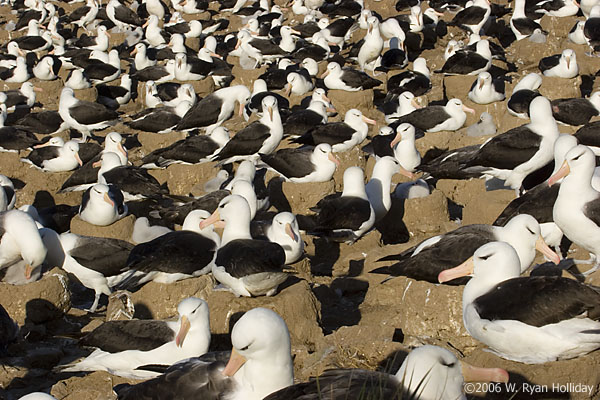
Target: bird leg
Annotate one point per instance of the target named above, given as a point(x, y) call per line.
point(95, 305)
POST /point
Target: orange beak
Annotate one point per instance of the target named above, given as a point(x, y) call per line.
point(290, 232)
point(563, 171)
point(477, 374)
point(28, 271)
point(324, 74)
point(122, 149)
point(334, 159)
point(467, 109)
point(214, 218)
point(234, 364)
point(542, 247)
point(288, 89)
point(108, 199)
point(369, 120)
point(37, 89)
point(463, 269)
point(97, 164)
point(406, 173)
point(183, 330)
point(78, 159)
point(396, 140)
point(241, 111)
point(39, 146)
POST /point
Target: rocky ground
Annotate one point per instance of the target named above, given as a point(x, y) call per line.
point(339, 315)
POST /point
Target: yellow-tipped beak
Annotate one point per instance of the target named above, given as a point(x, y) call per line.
point(477, 374)
point(238, 44)
point(542, 247)
point(134, 52)
point(563, 171)
point(234, 364)
point(97, 164)
point(108, 199)
point(146, 23)
point(463, 269)
point(215, 55)
point(183, 330)
point(214, 218)
point(324, 97)
point(290, 232)
point(270, 109)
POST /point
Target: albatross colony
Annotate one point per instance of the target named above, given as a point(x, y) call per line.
point(234, 78)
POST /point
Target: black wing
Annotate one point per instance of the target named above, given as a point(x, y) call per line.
point(589, 134)
point(291, 163)
point(12, 138)
point(38, 156)
point(84, 175)
point(575, 111)
point(509, 149)
point(203, 113)
point(176, 252)
point(243, 257)
point(343, 384)
point(464, 62)
point(424, 118)
point(133, 180)
point(301, 122)
point(116, 336)
point(342, 213)
point(549, 62)
point(354, 78)
point(126, 15)
point(451, 250)
point(246, 142)
point(539, 300)
point(519, 101)
point(88, 113)
point(104, 255)
point(191, 150)
point(592, 211)
point(538, 202)
point(188, 379)
point(469, 16)
point(331, 133)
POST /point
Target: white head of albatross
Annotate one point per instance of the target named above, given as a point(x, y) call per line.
point(432, 372)
point(261, 361)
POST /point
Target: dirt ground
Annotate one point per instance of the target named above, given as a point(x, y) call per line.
point(339, 314)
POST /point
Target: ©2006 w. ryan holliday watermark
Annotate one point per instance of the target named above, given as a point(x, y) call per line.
point(527, 388)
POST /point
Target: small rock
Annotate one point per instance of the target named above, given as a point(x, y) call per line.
point(121, 229)
point(37, 302)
